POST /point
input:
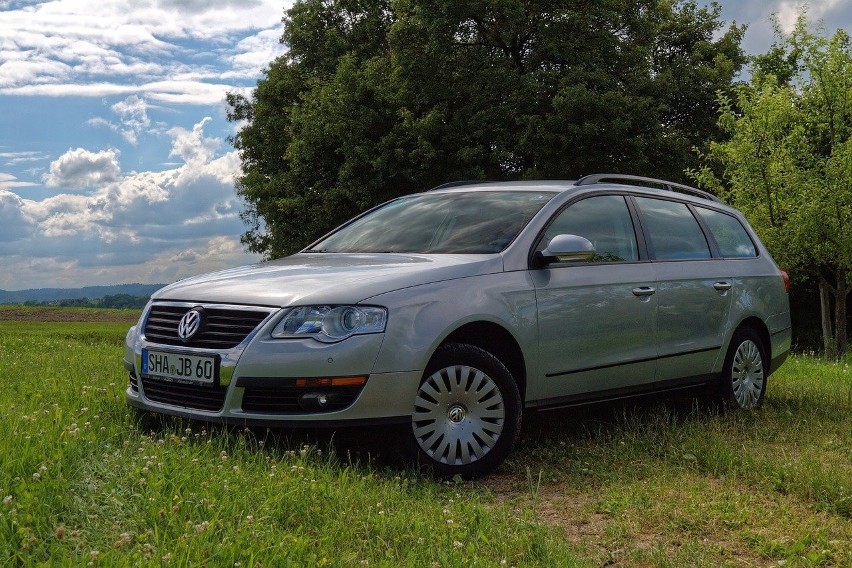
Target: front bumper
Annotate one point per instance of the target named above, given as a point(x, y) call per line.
point(385, 398)
point(257, 378)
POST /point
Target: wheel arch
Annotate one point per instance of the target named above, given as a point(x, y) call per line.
point(498, 341)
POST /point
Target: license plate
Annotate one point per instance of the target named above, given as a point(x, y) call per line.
point(179, 367)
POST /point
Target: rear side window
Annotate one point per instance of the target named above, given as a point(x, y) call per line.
point(605, 221)
point(673, 230)
point(730, 235)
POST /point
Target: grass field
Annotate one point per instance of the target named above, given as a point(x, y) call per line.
point(83, 479)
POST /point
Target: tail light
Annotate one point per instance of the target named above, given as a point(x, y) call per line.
point(786, 278)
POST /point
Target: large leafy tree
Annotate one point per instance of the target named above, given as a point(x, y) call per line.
point(787, 162)
point(378, 98)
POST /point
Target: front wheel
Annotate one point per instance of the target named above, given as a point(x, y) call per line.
point(467, 412)
point(744, 374)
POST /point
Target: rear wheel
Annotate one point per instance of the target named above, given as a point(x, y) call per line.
point(744, 374)
point(467, 412)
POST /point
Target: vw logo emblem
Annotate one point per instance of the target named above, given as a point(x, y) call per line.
point(456, 414)
point(189, 324)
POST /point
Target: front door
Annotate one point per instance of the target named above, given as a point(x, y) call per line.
point(596, 319)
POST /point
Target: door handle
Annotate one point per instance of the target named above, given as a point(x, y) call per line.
point(722, 286)
point(644, 291)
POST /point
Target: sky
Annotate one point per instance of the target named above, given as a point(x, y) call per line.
point(115, 165)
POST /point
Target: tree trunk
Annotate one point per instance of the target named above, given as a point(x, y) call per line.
point(825, 316)
point(840, 312)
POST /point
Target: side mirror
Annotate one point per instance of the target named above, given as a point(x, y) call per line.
point(568, 248)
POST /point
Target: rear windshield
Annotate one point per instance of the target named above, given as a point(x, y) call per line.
point(476, 222)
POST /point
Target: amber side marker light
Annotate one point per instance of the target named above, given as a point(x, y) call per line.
point(331, 382)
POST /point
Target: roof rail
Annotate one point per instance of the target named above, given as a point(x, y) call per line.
point(667, 185)
point(457, 183)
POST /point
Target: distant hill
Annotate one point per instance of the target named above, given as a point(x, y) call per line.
point(90, 292)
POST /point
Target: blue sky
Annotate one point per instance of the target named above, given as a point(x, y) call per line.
point(114, 160)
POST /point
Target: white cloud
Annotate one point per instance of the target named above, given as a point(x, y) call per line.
point(8, 180)
point(133, 109)
point(191, 145)
point(34, 69)
point(127, 47)
point(15, 223)
point(788, 11)
point(80, 168)
point(15, 158)
point(150, 61)
point(147, 226)
point(757, 13)
point(179, 92)
point(197, 6)
point(254, 53)
point(133, 118)
point(133, 113)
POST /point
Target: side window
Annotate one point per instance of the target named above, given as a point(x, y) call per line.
point(672, 229)
point(605, 221)
point(732, 238)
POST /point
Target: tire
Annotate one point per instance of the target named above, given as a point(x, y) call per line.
point(467, 412)
point(743, 380)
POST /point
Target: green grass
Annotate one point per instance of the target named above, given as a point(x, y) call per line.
point(673, 483)
point(82, 479)
point(661, 483)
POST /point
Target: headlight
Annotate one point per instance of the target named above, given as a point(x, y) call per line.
point(331, 323)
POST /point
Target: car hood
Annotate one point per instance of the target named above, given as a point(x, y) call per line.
point(326, 278)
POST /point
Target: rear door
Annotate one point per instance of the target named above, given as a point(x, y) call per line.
point(693, 291)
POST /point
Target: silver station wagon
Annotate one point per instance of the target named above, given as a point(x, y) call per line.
point(456, 310)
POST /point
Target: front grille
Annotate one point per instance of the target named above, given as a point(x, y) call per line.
point(189, 396)
point(284, 399)
point(134, 382)
point(221, 328)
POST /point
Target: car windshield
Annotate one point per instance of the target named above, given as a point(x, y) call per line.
point(475, 222)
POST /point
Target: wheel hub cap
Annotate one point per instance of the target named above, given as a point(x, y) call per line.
point(458, 415)
point(747, 373)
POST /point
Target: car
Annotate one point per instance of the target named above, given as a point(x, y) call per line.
point(457, 310)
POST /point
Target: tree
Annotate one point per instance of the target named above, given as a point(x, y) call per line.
point(788, 162)
point(379, 98)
